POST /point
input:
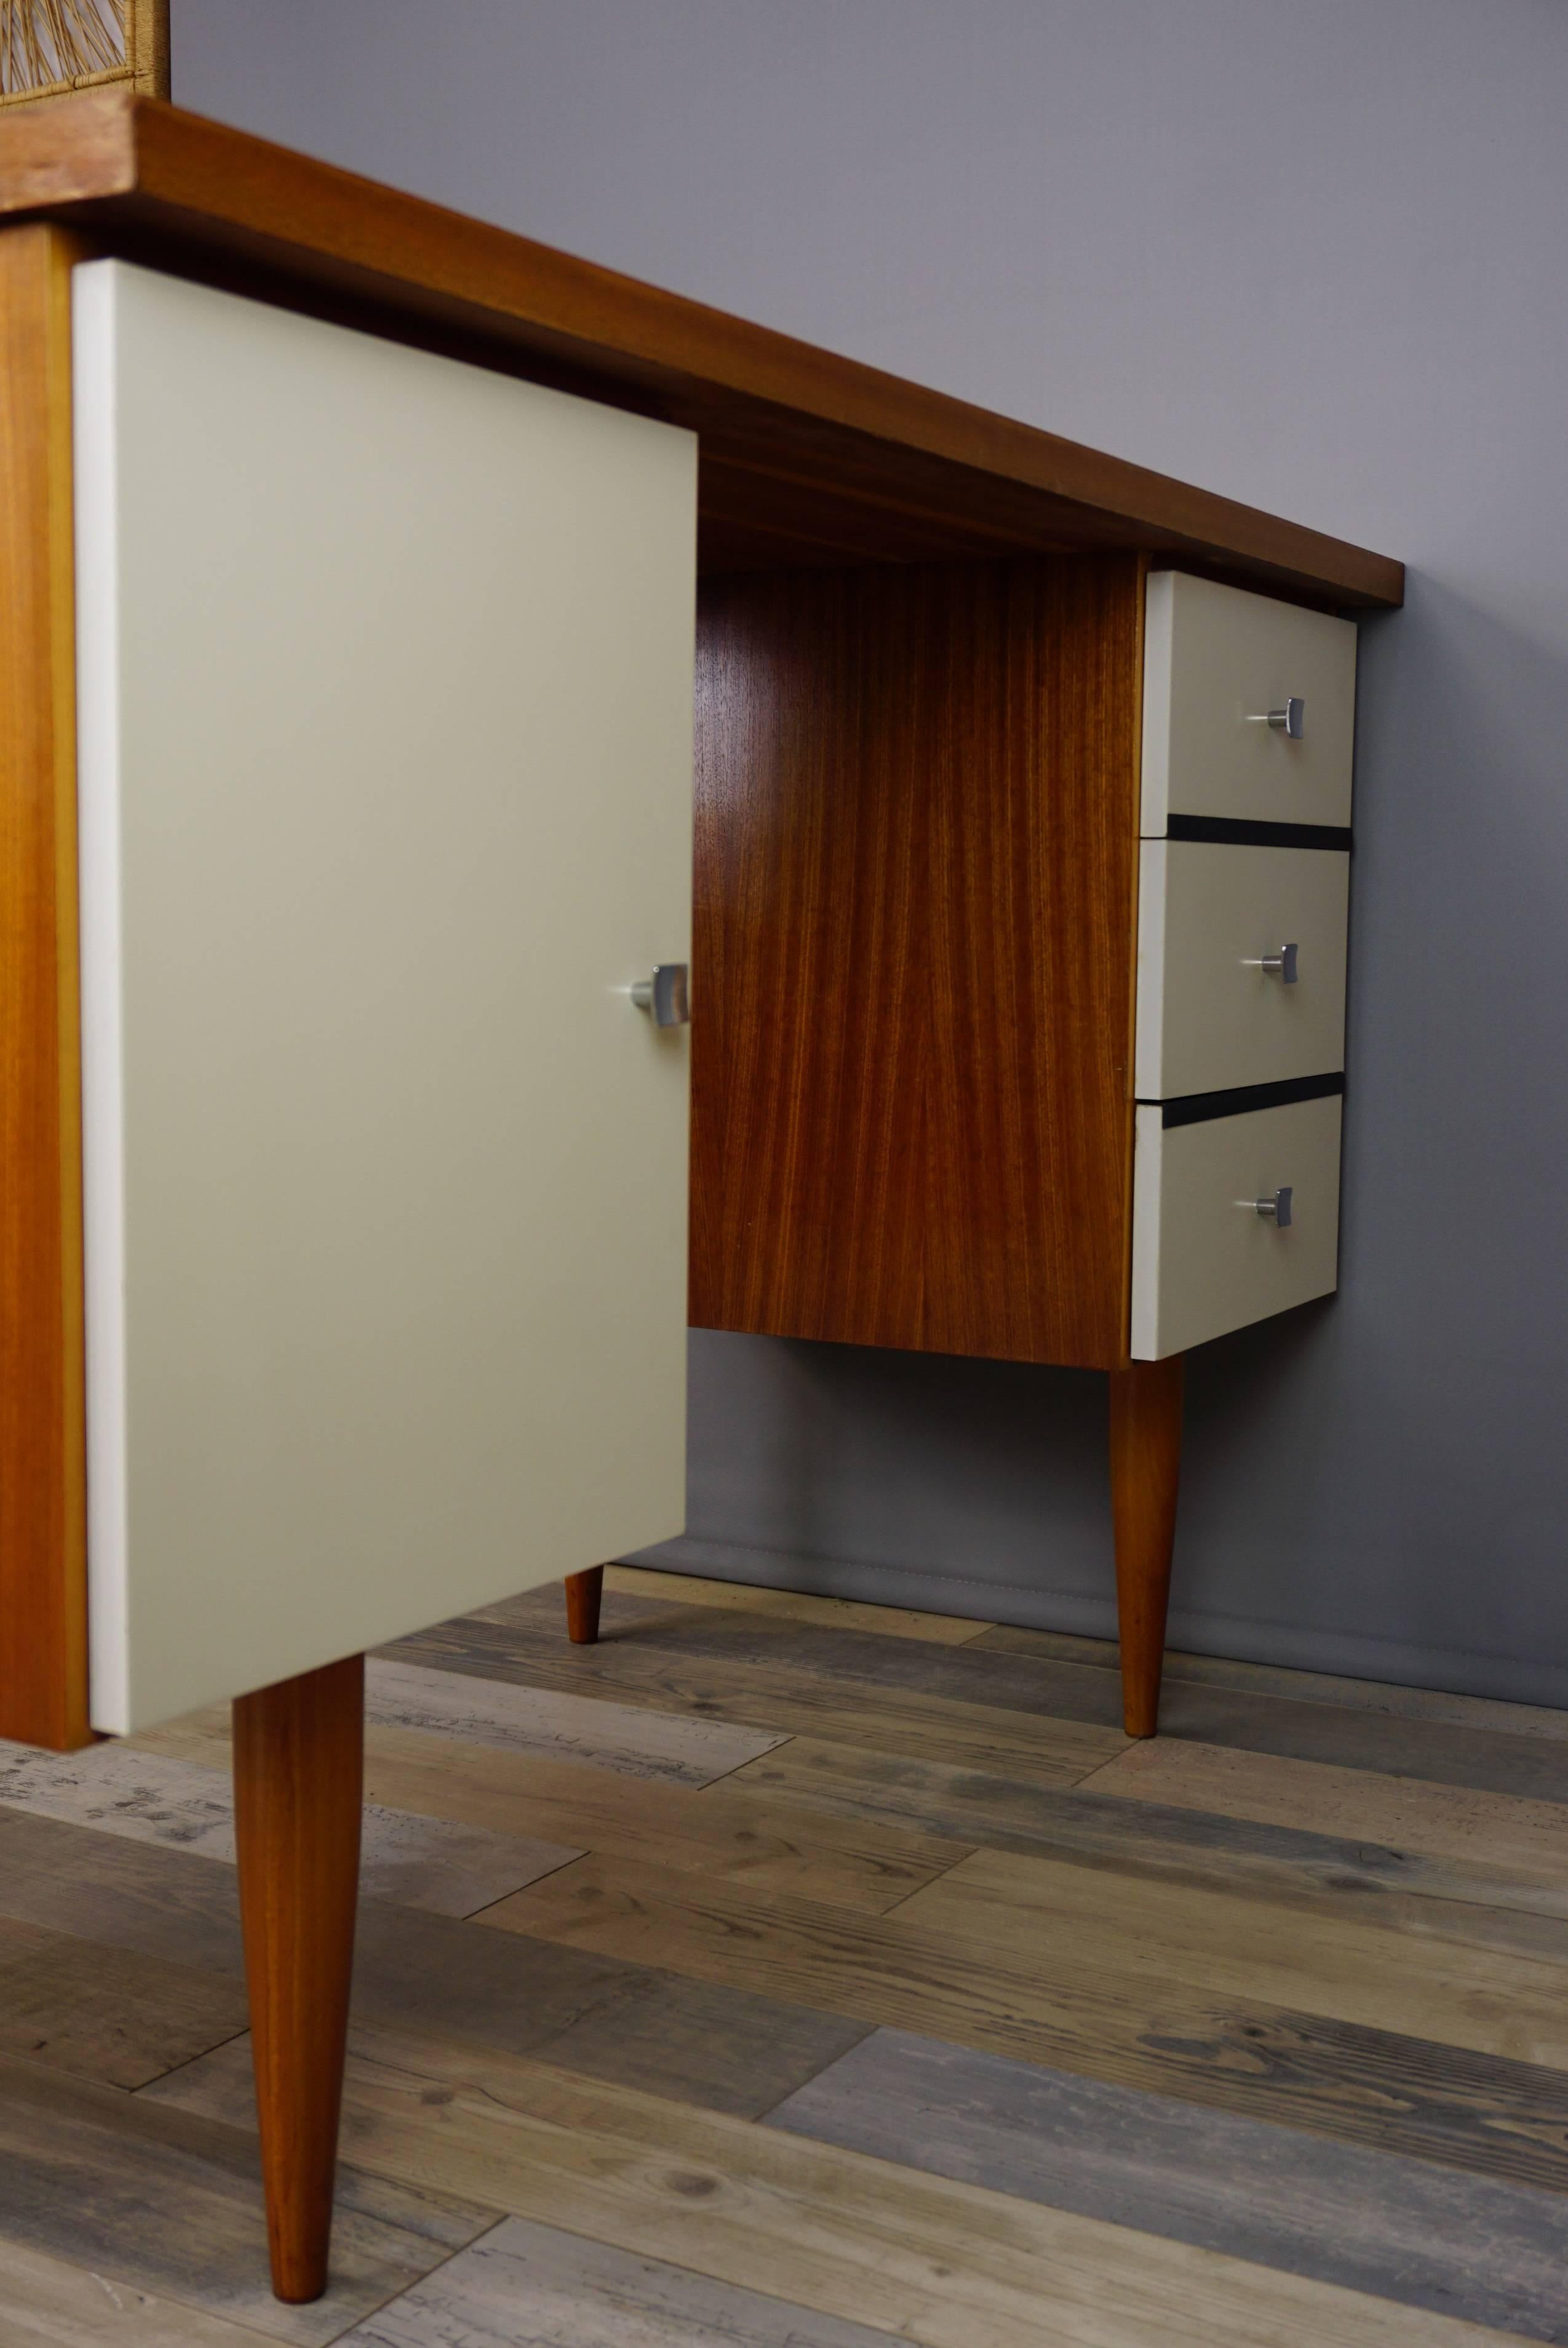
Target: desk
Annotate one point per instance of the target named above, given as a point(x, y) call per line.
point(357, 538)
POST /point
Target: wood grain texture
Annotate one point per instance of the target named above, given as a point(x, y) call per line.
point(1447, 1820)
point(43, 1489)
point(807, 1092)
point(1033, 919)
point(1404, 2230)
point(298, 1776)
point(804, 1653)
point(1445, 1753)
point(559, 1721)
point(913, 926)
point(726, 2047)
point(775, 1827)
point(1116, 2016)
point(460, 1787)
point(712, 2047)
point(863, 1829)
point(1489, 1902)
point(1303, 1687)
point(537, 2287)
point(792, 1605)
point(124, 1895)
point(1231, 2039)
point(772, 1696)
point(1496, 2002)
point(112, 2014)
point(807, 457)
point(1145, 1472)
point(49, 2300)
point(421, 1861)
point(170, 2203)
point(1457, 1741)
point(1215, 2068)
point(1135, 1942)
point(776, 1846)
point(947, 2264)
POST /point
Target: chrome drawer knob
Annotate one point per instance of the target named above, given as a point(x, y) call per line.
point(1275, 1208)
point(1289, 718)
point(1282, 964)
point(665, 996)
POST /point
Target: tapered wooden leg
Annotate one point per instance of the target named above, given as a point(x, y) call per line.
point(299, 1775)
point(1145, 1468)
point(583, 1593)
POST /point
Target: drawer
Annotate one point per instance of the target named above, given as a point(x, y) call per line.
point(1216, 659)
point(1208, 1016)
point(1203, 1259)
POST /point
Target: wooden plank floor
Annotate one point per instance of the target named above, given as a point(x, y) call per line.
point(784, 1973)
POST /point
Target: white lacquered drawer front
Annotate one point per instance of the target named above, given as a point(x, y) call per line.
point(1216, 662)
point(1203, 1259)
point(1241, 965)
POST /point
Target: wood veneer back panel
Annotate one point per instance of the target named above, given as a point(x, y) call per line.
point(1032, 906)
point(808, 945)
point(917, 844)
point(43, 1539)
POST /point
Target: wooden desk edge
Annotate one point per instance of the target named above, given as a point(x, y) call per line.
point(145, 176)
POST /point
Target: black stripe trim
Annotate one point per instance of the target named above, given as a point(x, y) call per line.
point(1195, 1108)
point(1240, 831)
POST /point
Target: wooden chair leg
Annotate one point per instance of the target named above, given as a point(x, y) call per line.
point(299, 1775)
point(1145, 1468)
point(583, 1593)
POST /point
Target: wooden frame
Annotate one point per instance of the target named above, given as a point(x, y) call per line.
point(43, 1476)
point(144, 68)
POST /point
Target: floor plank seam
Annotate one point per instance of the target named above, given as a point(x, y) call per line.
point(785, 1737)
point(367, 2316)
point(468, 1914)
point(479, 1915)
point(916, 1890)
point(230, 2038)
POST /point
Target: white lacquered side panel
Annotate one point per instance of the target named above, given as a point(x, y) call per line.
point(1203, 1260)
point(385, 686)
point(1210, 1016)
point(1216, 659)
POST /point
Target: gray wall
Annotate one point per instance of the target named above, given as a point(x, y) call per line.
point(1312, 254)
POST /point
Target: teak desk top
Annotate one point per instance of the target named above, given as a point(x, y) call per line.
point(807, 457)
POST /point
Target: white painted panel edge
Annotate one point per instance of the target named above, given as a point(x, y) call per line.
point(1149, 1049)
point(1159, 637)
point(1147, 1144)
point(92, 287)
